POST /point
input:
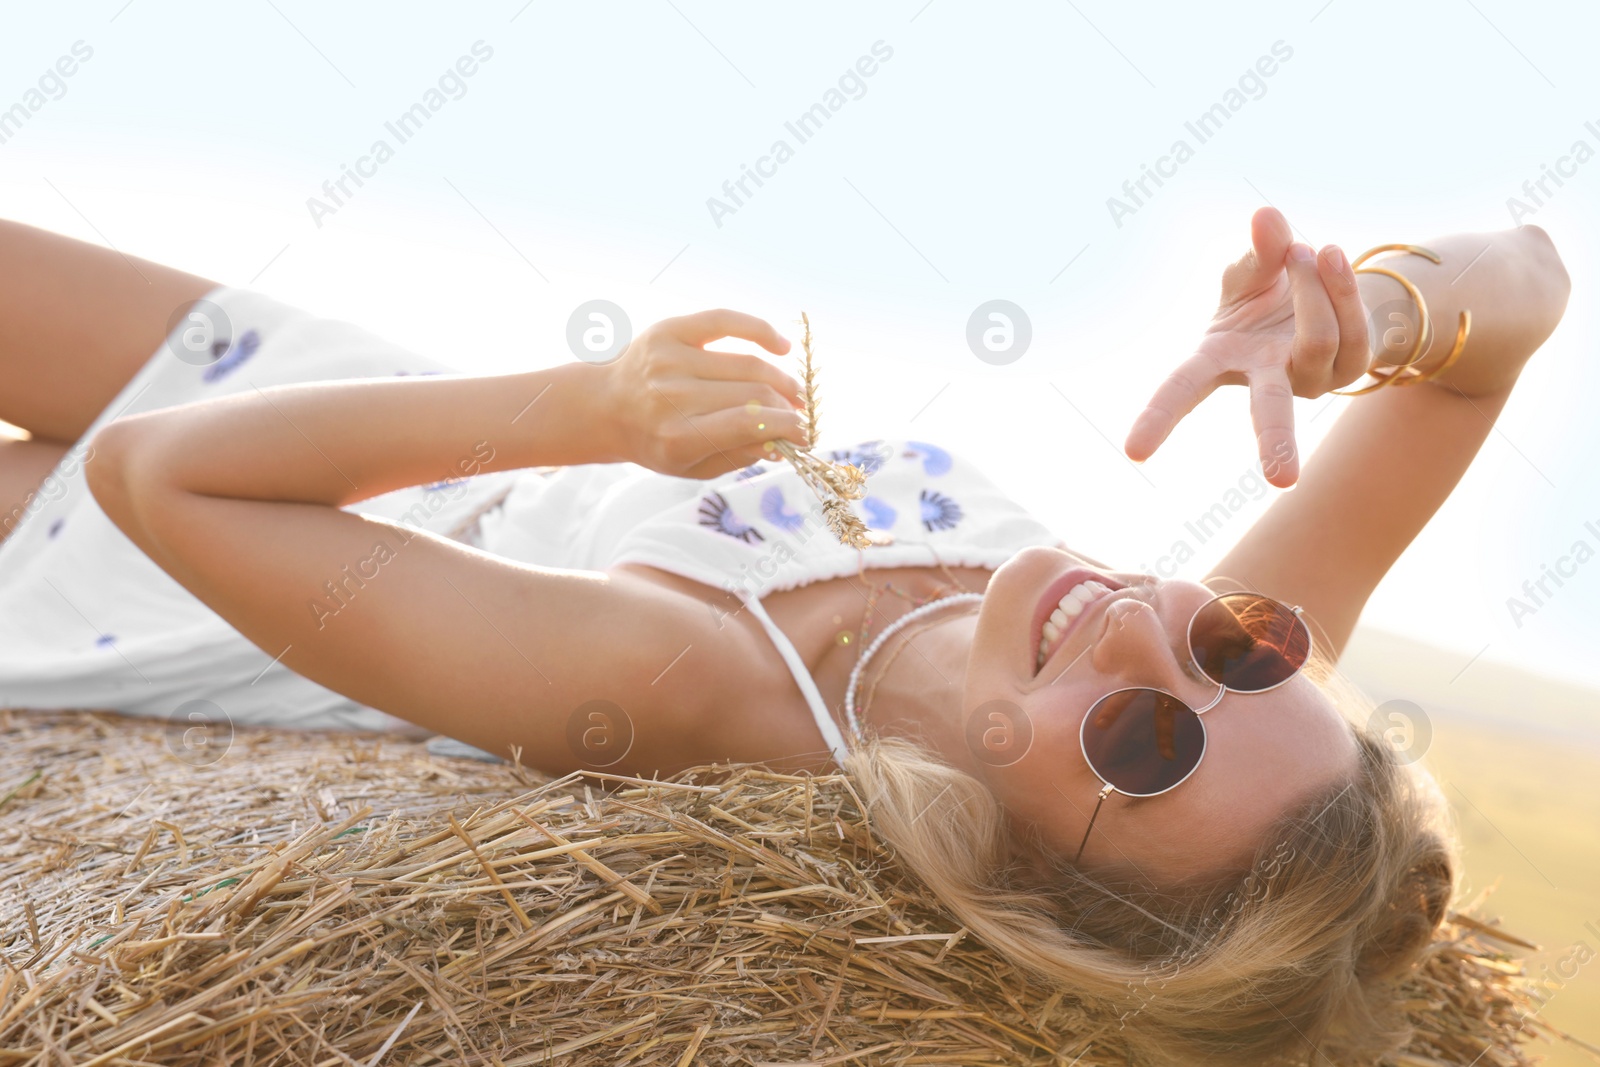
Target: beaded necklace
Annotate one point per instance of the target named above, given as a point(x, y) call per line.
point(920, 607)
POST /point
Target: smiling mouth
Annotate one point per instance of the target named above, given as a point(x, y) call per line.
point(1063, 610)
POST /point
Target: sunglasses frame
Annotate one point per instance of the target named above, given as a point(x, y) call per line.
point(1188, 640)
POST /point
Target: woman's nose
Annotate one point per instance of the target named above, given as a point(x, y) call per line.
point(1137, 648)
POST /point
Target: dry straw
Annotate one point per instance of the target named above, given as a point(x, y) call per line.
point(350, 899)
point(835, 484)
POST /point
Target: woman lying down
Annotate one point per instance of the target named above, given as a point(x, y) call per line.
point(1151, 792)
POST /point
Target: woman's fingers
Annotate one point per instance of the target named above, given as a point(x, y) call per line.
point(1272, 413)
point(1355, 353)
point(744, 368)
point(739, 435)
point(703, 327)
point(719, 463)
point(1191, 382)
point(744, 427)
point(1316, 326)
point(708, 396)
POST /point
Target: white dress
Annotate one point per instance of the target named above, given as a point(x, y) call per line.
point(87, 620)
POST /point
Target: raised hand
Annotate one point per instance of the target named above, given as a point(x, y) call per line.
point(1290, 323)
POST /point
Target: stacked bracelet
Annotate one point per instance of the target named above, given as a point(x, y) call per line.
point(1404, 373)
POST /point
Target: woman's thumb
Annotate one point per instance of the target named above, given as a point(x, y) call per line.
point(1270, 238)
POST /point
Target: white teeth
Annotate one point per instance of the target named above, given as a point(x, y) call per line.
point(1069, 608)
point(1080, 595)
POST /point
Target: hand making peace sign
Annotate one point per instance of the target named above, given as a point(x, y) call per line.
point(1290, 323)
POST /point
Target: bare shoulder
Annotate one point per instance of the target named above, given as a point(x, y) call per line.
point(742, 705)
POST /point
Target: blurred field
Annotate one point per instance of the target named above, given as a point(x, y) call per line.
point(1519, 758)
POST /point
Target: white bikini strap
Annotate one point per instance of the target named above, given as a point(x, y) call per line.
point(808, 686)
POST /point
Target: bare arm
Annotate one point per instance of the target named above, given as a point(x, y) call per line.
point(666, 404)
point(336, 443)
point(240, 499)
point(1397, 453)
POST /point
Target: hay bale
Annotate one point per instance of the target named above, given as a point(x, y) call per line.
point(342, 898)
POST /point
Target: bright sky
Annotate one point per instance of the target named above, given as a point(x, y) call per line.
point(970, 159)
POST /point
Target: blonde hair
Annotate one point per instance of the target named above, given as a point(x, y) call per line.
point(1299, 951)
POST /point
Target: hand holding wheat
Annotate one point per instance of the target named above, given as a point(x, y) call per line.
point(671, 404)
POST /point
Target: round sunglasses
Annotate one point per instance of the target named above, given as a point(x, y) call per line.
point(1143, 742)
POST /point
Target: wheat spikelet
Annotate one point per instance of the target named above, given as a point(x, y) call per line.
point(809, 376)
point(833, 483)
point(845, 526)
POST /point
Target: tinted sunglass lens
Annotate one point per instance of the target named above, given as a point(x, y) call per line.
point(1142, 741)
point(1248, 642)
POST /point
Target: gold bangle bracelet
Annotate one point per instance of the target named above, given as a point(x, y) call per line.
point(1403, 373)
point(1463, 326)
point(1376, 249)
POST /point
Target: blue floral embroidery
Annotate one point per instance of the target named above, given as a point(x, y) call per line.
point(715, 513)
point(868, 455)
point(939, 512)
point(935, 460)
point(243, 349)
point(751, 471)
point(55, 527)
point(880, 516)
point(104, 641)
point(776, 511)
